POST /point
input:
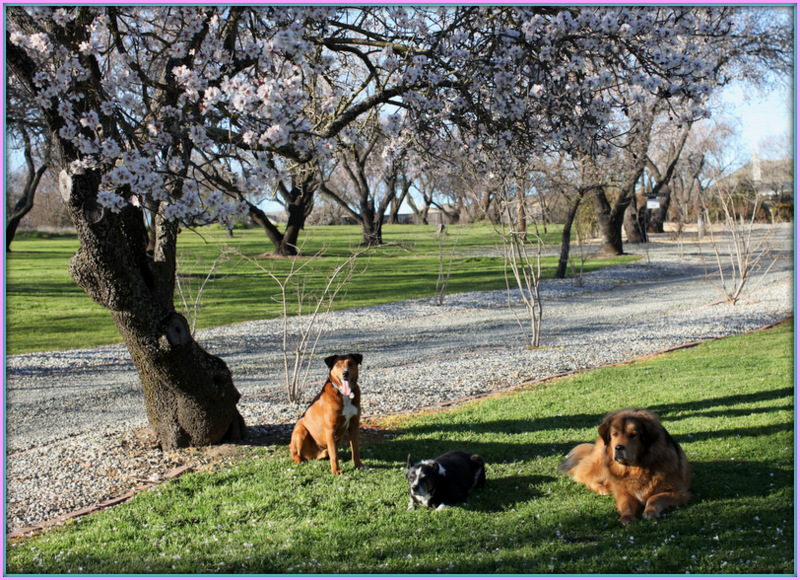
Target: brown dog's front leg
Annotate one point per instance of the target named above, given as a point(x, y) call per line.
point(353, 431)
point(627, 506)
point(657, 503)
point(333, 453)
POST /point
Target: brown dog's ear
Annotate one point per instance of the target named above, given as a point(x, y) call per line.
point(330, 360)
point(650, 432)
point(356, 357)
point(605, 429)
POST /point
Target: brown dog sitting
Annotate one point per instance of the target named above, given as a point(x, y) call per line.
point(637, 461)
point(336, 410)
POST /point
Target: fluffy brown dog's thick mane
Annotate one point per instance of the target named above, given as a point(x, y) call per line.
point(636, 460)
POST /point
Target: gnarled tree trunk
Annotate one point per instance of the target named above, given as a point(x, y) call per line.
point(299, 203)
point(635, 221)
point(285, 243)
point(189, 393)
point(609, 222)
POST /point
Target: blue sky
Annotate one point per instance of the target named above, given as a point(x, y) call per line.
point(759, 116)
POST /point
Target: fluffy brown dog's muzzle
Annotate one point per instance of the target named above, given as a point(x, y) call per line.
point(621, 454)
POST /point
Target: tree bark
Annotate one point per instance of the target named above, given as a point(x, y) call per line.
point(189, 394)
point(369, 216)
point(636, 218)
point(609, 222)
point(563, 259)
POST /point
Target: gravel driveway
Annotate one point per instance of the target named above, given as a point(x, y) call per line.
point(75, 420)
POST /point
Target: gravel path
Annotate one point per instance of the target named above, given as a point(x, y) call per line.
point(76, 433)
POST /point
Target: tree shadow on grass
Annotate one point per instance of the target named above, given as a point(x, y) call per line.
point(490, 438)
point(472, 436)
point(722, 405)
point(501, 494)
point(723, 480)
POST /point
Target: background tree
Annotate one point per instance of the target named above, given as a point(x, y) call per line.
point(28, 134)
point(659, 171)
point(297, 194)
point(754, 51)
point(370, 180)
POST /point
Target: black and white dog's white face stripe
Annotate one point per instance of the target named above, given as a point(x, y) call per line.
point(422, 479)
point(417, 474)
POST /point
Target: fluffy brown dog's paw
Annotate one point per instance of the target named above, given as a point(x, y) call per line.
point(651, 513)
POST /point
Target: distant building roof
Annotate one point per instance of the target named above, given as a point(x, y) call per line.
point(773, 177)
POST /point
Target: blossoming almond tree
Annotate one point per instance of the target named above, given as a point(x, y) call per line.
point(180, 112)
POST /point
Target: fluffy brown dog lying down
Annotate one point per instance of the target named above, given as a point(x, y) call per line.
point(334, 412)
point(636, 461)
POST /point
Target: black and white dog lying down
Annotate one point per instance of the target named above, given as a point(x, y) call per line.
point(446, 480)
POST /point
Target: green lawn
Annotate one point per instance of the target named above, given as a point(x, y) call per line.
point(728, 403)
point(46, 310)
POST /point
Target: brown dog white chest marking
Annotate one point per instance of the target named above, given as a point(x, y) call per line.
point(334, 412)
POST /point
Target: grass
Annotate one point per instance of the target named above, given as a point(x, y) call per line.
point(46, 310)
point(729, 403)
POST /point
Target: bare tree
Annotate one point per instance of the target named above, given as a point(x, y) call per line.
point(745, 252)
point(444, 276)
point(191, 296)
point(523, 260)
point(704, 158)
point(304, 324)
point(370, 182)
point(659, 169)
point(522, 253)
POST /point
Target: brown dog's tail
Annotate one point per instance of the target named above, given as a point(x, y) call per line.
point(575, 456)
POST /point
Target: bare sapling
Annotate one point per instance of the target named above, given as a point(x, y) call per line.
point(191, 299)
point(303, 328)
point(585, 228)
point(522, 254)
point(745, 252)
point(444, 277)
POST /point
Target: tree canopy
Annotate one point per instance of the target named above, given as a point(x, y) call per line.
point(168, 102)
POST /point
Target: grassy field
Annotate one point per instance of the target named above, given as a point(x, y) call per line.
point(728, 403)
point(46, 310)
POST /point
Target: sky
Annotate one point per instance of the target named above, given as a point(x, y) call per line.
point(761, 116)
